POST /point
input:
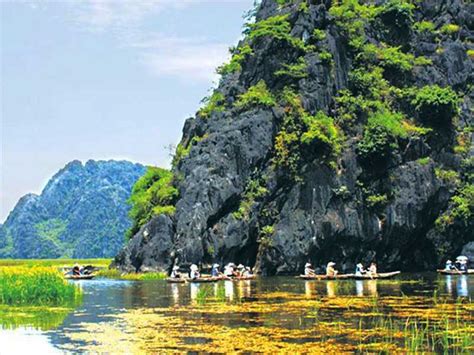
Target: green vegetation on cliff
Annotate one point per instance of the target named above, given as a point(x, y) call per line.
point(153, 194)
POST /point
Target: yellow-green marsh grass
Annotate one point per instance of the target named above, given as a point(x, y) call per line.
point(35, 286)
point(54, 262)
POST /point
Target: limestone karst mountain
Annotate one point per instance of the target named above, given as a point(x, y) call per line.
point(339, 130)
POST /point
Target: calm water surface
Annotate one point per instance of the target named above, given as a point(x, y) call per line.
point(267, 314)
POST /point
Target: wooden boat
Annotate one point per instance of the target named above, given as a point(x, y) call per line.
point(455, 272)
point(325, 277)
point(382, 275)
point(205, 279)
point(242, 278)
point(79, 277)
point(175, 280)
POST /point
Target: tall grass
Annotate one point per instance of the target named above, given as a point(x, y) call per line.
point(39, 286)
point(54, 262)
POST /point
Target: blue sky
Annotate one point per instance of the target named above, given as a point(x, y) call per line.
point(103, 79)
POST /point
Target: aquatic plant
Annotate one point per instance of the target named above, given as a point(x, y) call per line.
point(35, 286)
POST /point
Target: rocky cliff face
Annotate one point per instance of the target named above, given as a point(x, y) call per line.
point(81, 213)
point(339, 131)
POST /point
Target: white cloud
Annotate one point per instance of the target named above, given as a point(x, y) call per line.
point(100, 15)
point(192, 58)
point(185, 58)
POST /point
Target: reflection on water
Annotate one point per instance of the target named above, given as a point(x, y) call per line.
point(229, 290)
point(461, 286)
point(284, 313)
point(359, 288)
point(460, 283)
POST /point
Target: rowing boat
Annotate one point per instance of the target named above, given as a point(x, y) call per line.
point(382, 275)
point(205, 279)
point(79, 277)
point(325, 277)
point(175, 280)
point(243, 278)
point(455, 272)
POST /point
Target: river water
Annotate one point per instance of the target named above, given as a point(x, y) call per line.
point(273, 314)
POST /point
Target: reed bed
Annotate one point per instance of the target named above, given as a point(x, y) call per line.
point(38, 286)
point(53, 262)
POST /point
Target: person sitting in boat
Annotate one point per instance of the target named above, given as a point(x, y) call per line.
point(373, 269)
point(461, 261)
point(330, 270)
point(240, 270)
point(247, 272)
point(308, 270)
point(449, 265)
point(359, 271)
point(194, 274)
point(215, 270)
point(229, 270)
point(175, 272)
point(76, 270)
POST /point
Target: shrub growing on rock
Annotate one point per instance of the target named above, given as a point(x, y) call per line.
point(398, 13)
point(235, 63)
point(213, 103)
point(152, 194)
point(257, 95)
point(276, 27)
point(436, 105)
point(380, 136)
point(321, 135)
point(294, 71)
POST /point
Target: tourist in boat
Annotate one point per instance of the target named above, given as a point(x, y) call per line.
point(373, 269)
point(194, 274)
point(76, 270)
point(449, 265)
point(215, 270)
point(247, 272)
point(461, 261)
point(330, 270)
point(229, 270)
point(175, 272)
point(359, 271)
point(308, 270)
point(240, 270)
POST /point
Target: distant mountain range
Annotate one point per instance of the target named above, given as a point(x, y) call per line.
point(81, 213)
